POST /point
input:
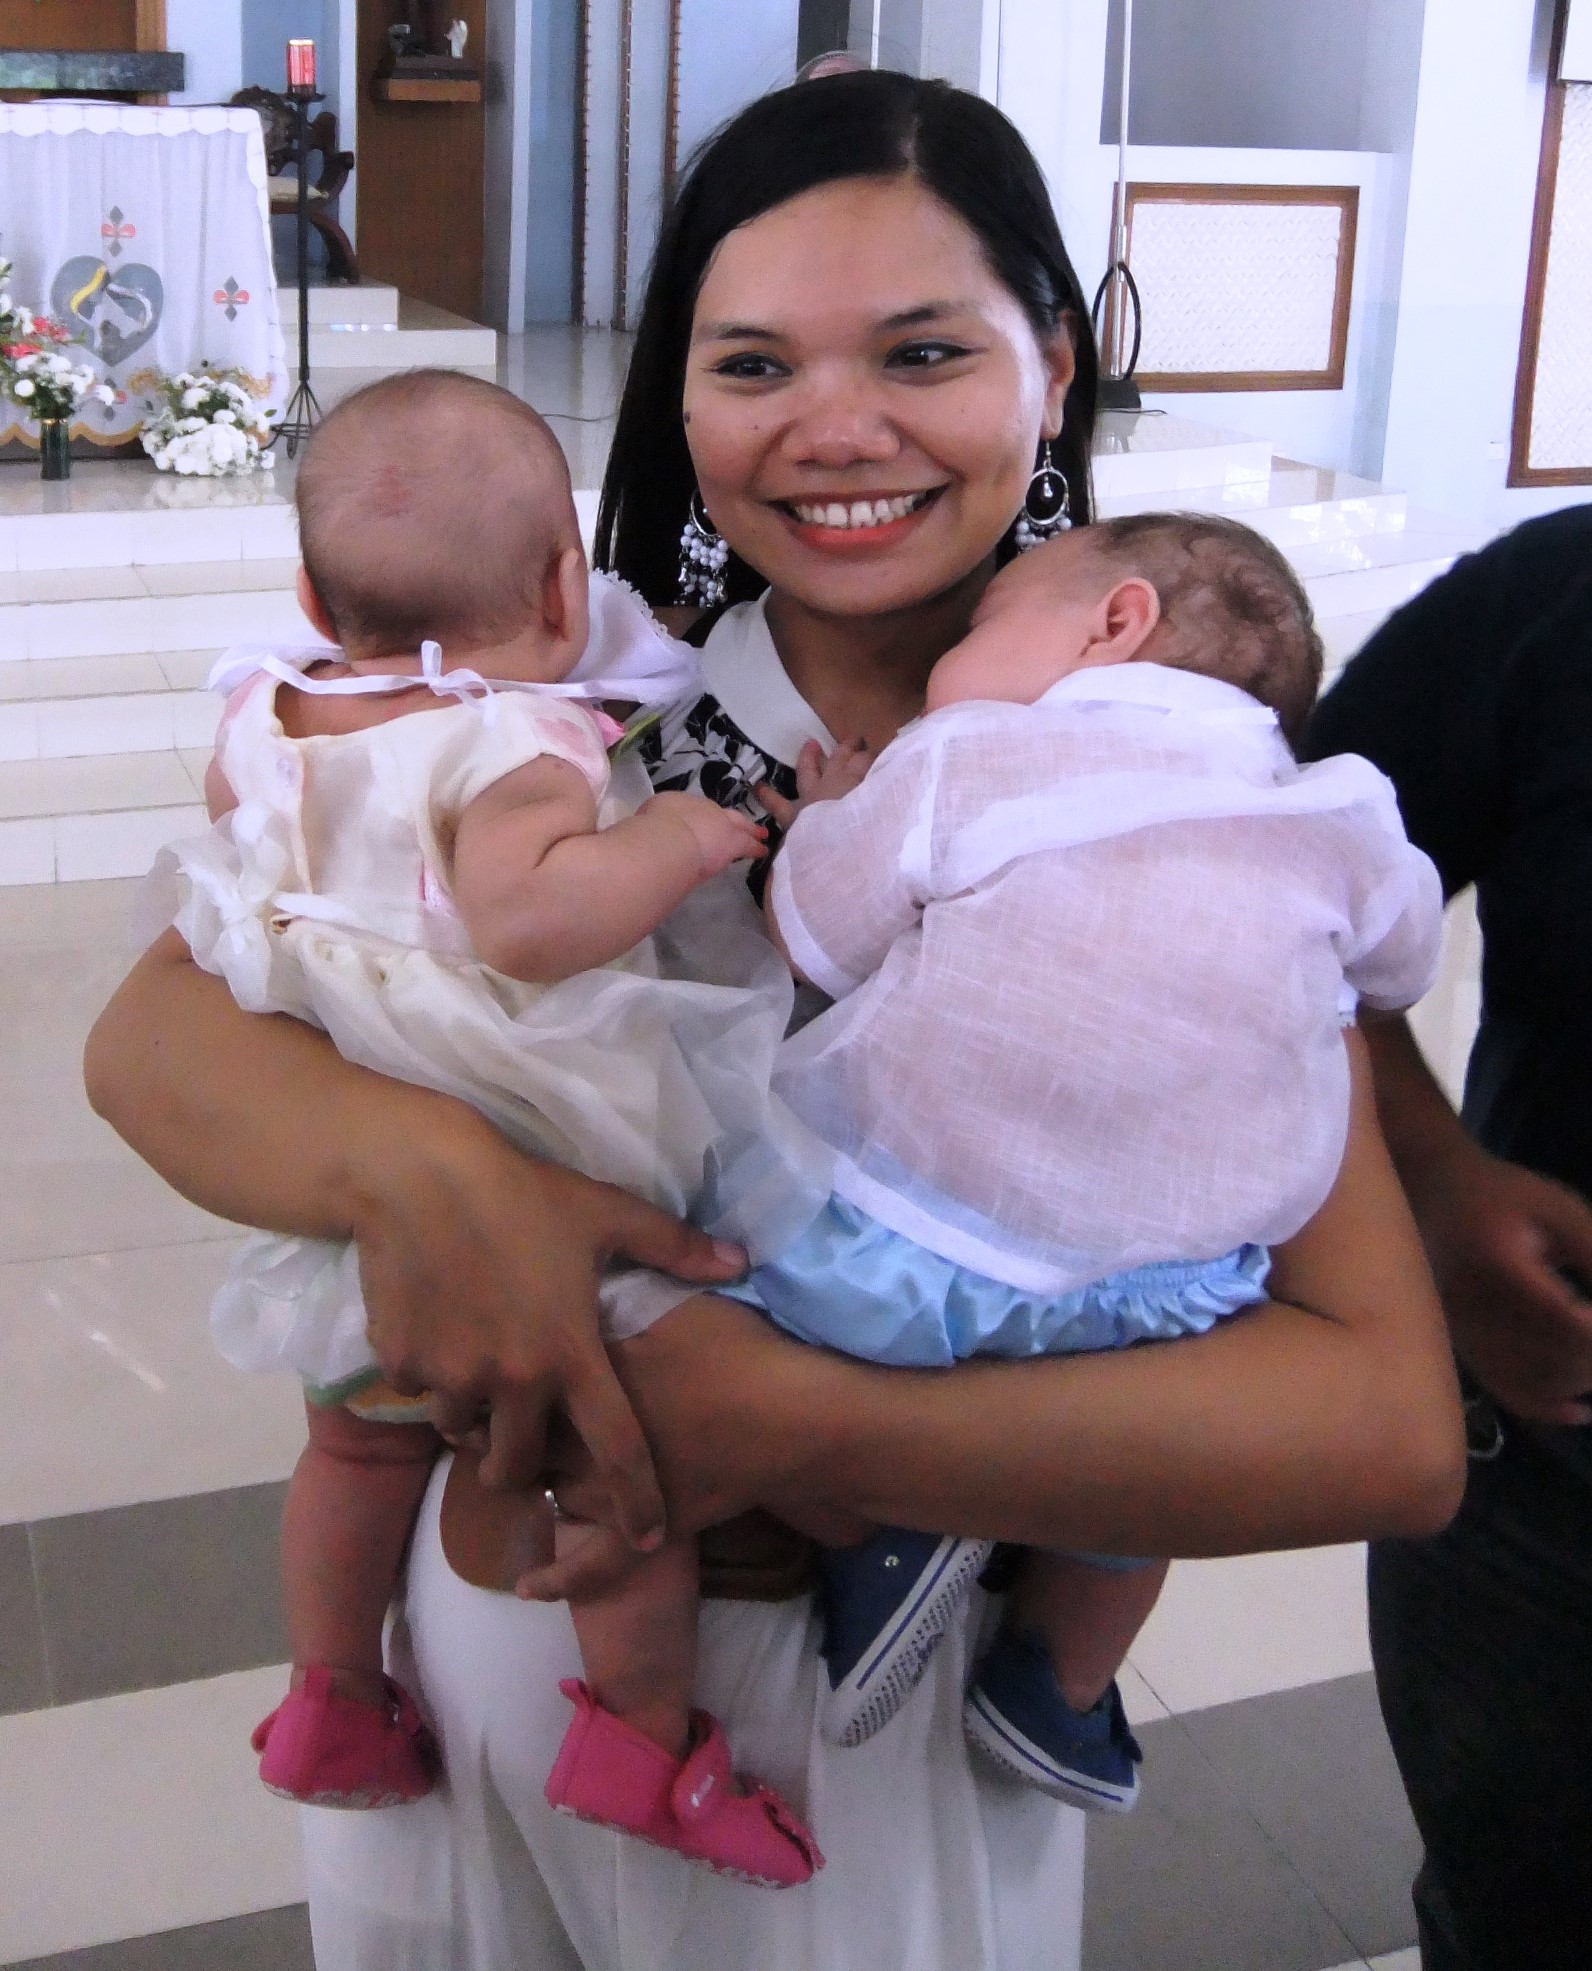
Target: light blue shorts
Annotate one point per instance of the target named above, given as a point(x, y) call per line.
point(851, 1284)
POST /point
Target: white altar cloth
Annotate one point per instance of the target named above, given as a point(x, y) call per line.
point(147, 233)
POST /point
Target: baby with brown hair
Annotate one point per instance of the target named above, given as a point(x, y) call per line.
point(1091, 933)
point(422, 844)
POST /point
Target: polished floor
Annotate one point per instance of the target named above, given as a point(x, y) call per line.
point(139, 1632)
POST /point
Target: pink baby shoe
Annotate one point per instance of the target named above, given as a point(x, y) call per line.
point(326, 1750)
point(608, 1772)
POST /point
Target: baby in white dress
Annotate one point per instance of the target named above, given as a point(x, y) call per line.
point(426, 851)
point(1091, 934)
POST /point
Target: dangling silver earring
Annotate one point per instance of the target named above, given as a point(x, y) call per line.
point(1045, 504)
point(703, 556)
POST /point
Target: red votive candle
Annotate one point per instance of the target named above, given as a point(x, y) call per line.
point(301, 65)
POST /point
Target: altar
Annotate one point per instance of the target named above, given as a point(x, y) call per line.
point(145, 232)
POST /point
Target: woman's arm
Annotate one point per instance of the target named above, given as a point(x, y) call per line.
point(1284, 1427)
point(480, 1266)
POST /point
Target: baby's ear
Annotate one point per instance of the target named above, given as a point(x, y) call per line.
point(1132, 610)
point(566, 601)
point(312, 606)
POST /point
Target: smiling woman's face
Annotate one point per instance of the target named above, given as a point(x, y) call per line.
point(863, 397)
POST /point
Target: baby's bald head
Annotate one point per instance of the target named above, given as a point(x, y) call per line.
point(432, 504)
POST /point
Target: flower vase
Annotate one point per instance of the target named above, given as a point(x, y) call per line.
point(55, 447)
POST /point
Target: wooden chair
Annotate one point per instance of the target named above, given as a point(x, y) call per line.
point(277, 115)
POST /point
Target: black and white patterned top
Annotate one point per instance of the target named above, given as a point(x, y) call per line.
point(748, 726)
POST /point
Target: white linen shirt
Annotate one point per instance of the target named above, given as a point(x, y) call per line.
point(1091, 959)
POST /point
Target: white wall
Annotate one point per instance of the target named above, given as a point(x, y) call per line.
point(507, 148)
point(550, 177)
point(1478, 132)
point(1339, 428)
point(1267, 74)
point(1049, 60)
point(730, 52)
point(210, 34)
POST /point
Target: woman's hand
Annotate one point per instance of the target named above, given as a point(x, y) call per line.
point(480, 1266)
point(480, 1271)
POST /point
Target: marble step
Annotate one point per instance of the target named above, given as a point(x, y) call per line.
point(1292, 505)
point(76, 707)
point(75, 820)
point(370, 302)
point(1381, 571)
point(132, 609)
point(123, 513)
point(421, 337)
point(1146, 452)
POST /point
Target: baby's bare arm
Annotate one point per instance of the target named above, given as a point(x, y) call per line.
point(545, 894)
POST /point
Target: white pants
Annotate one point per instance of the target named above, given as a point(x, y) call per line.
point(930, 1868)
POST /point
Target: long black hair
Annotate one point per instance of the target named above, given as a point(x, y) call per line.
point(876, 124)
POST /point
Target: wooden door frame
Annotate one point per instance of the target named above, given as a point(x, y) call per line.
point(1521, 471)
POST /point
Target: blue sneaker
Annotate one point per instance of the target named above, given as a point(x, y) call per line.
point(1016, 1716)
point(886, 1605)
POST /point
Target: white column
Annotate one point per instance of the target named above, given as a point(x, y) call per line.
point(1050, 76)
point(1478, 130)
point(346, 14)
point(506, 61)
point(952, 40)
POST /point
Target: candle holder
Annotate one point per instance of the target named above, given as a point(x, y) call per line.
point(302, 411)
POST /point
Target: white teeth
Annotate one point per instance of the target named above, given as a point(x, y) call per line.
point(861, 513)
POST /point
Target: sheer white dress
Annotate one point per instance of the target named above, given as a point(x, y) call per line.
point(932, 1865)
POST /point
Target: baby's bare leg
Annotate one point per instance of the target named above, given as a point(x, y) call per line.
point(638, 1640)
point(350, 1507)
point(1086, 1615)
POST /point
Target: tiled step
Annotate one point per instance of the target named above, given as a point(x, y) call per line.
point(69, 820)
point(125, 513)
point(369, 302)
point(1292, 505)
point(374, 327)
point(150, 607)
point(1144, 453)
point(70, 707)
point(422, 336)
point(1380, 571)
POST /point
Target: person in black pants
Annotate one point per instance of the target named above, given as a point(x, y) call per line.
point(1476, 700)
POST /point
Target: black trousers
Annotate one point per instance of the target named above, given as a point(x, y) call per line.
point(1482, 1640)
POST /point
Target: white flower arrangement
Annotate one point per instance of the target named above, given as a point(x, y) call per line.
point(209, 425)
point(36, 372)
point(15, 320)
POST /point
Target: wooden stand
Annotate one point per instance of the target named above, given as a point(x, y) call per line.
point(426, 89)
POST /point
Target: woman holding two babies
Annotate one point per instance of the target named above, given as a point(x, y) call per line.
point(860, 297)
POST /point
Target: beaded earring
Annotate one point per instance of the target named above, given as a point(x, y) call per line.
point(703, 557)
point(1045, 504)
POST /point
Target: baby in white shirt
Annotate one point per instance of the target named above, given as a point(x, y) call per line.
point(1091, 934)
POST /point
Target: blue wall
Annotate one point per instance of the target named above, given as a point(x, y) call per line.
point(268, 25)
